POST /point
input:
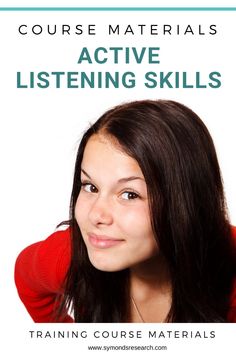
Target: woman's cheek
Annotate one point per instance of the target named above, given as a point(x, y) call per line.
point(133, 218)
point(81, 210)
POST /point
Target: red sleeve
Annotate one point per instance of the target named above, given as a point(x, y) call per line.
point(40, 271)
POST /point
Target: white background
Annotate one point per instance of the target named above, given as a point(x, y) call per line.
point(40, 129)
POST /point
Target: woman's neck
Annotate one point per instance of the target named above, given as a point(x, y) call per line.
point(150, 291)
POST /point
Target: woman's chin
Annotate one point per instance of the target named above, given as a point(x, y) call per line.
point(105, 265)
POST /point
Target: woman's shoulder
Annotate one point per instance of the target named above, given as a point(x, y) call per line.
point(57, 244)
point(40, 272)
point(60, 238)
point(45, 263)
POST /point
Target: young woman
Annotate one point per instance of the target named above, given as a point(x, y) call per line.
point(149, 239)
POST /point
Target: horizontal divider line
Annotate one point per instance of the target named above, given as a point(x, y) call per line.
point(117, 9)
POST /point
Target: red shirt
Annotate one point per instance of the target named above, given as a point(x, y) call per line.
point(40, 271)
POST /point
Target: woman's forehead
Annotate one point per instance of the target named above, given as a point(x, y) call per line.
point(101, 154)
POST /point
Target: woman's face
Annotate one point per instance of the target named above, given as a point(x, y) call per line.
point(112, 208)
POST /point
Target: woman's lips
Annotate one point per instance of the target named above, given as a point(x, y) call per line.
point(102, 241)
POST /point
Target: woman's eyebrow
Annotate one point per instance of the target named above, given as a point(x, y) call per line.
point(85, 173)
point(131, 178)
point(121, 180)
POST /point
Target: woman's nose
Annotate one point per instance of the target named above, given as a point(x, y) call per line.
point(101, 212)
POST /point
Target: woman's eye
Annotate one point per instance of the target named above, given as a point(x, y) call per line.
point(89, 187)
point(129, 195)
